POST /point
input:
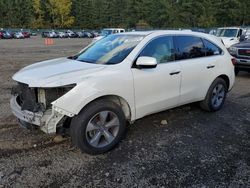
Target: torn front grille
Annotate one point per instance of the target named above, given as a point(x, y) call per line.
point(38, 99)
point(48, 95)
point(27, 98)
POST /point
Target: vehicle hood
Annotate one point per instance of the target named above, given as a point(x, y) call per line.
point(56, 72)
point(244, 44)
point(229, 41)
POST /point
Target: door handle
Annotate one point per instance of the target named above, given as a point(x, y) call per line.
point(175, 72)
point(210, 66)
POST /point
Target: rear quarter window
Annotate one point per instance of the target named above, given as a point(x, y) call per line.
point(211, 49)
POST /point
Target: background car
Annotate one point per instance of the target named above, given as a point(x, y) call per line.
point(71, 34)
point(80, 34)
point(95, 33)
point(241, 52)
point(53, 34)
point(212, 32)
point(44, 34)
point(12, 33)
point(62, 34)
point(26, 34)
point(5, 35)
point(18, 35)
point(88, 34)
point(33, 34)
point(108, 31)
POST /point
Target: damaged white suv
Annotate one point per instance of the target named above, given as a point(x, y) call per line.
point(119, 79)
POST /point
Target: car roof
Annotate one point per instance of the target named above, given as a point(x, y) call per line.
point(145, 33)
point(163, 32)
point(172, 32)
point(229, 28)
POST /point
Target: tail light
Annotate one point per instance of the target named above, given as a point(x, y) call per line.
point(233, 61)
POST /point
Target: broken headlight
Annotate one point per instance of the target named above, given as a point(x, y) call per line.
point(47, 95)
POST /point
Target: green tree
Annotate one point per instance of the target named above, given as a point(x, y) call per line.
point(227, 12)
point(60, 13)
point(16, 13)
point(82, 11)
point(38, 14)
point(96, 14)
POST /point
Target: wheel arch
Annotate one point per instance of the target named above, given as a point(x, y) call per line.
point(226, 78)
point(222, 76)
point(119, 101)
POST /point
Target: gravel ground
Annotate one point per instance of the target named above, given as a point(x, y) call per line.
point(182, 147)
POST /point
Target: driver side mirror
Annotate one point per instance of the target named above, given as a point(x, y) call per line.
point(146, 62)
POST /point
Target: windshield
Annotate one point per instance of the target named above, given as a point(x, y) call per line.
point(109, 50)
point(227, 33)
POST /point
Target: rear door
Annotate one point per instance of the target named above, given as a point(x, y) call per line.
point(198, 69)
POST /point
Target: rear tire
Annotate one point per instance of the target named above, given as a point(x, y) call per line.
point(216, 96)
point(98, 127)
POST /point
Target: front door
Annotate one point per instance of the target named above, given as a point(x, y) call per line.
point(157, 89)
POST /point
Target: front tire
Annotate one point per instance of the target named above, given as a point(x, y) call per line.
point(99, 127)
point(216, 96)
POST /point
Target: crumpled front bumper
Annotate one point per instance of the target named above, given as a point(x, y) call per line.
point(24, 115)
point(47, 121)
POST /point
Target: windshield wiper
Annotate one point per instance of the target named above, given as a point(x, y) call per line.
point(85, 61)
point(72, 57)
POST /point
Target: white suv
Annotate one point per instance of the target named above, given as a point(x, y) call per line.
point(120, 79)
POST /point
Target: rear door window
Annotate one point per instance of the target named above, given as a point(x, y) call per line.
point(189, 47)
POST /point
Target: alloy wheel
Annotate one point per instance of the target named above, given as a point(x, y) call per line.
point(102, 129)
point(218, 95)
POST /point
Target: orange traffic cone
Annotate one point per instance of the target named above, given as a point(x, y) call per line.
point(48, 41)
